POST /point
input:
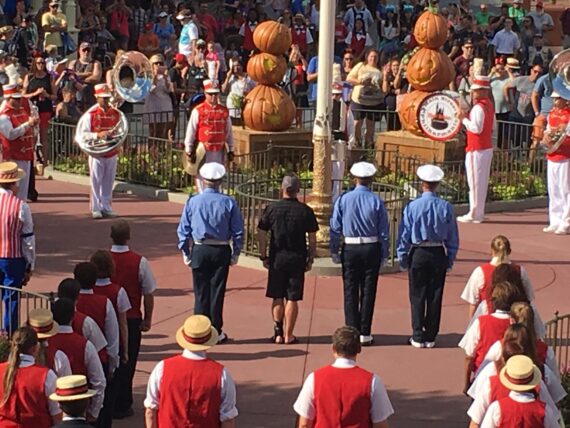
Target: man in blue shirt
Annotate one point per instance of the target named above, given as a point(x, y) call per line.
point(360, 217)
point(209, 222)
point(542, 103)
point(427, 247)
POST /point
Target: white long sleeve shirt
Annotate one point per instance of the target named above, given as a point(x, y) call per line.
point(228, 409)
point(146, 277)
point(95, 373)
point(49, 386)
point(493, 415)
point(111, 332)
point(192, 132)
point(8, 131)
point(474, 123)
point(28, 237)
point(381, 407)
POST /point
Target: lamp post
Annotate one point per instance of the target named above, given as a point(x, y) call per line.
point(322, 136)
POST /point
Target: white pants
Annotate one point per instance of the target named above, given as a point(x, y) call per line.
point(211, 156)
point(478, 168)
point(102, 175)
point(558, 174)
point(337, 174)
point(24, 184)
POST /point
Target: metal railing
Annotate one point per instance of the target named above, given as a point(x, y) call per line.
point(254, 195)
point(558, 337)
point(26, 302)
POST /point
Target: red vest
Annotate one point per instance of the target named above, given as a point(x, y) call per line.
point(194, 393)
point(299, 38)
point(556, 118)
point(94, 306)
point(357, 45)
point(111, 292)
point(27, 406)
point(127, 274)
point(342, 397)
point(491, 329)
point(482, 141)
point(484, 294)
point(77, 323)
point(73, 346)
point(521, 415)
point(212, 126)
point(541, 352)
point(498, 390)
point(21, 148)
point(10, 226)
point(248, 44)
point(103, 120)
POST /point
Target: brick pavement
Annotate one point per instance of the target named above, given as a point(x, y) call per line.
point(424, 385)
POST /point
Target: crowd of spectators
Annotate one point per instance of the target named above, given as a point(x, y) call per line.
point(195, 41)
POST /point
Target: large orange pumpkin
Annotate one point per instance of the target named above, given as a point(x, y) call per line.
point(266, 68)
point(430, 30)
point(272, 37)
point(268, 108)
point(408, 110)
point(430, 70)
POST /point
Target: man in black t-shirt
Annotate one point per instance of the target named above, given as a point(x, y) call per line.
point(289, 222)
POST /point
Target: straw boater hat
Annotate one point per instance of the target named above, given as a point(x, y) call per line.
point(211, 86)
point(430, 173)
point(513, 63)
point(11, 91)
point(10, 173)
point(481, 82)
point(363, 170)
point(102, 91)
point(520, 374)
point(41, 321)
point(197, 334)
point(72, 388)
point(192, 168)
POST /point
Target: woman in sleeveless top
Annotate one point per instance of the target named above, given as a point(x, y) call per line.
point(88, 26)
point(158, 107)
point(39, 87)
point(67, 111)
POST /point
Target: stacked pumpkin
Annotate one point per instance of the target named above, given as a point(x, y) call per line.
point(267, 107)
point(429, 68)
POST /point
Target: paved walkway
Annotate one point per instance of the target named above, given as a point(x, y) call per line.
point(424, 385)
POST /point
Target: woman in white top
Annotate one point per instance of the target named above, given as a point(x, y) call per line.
point(236, 85)
point(158, 107)
point(390, 32)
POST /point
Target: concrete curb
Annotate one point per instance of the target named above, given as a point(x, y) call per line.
point(323, 266)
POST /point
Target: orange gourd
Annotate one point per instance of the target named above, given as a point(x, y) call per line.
point(430, 30)
point(266, 69)
point(430, 70)
point(408, 110)
point(272, 37)
point(268, 108)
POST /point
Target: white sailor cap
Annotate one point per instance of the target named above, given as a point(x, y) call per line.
point(363, 169)
point(212, 171)
point(430, 173)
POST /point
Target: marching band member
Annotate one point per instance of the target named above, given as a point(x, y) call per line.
point(558, 168)
point(343, 137)
point(96, 124)
point(73, 395)
point(479, 149)
point(209, 125)
point(300, 34)
point(16, 134)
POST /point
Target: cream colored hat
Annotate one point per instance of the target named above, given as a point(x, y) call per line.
point(520, 374)
point(197, 334)
point(41, 321)
point(10, 173)
point(72, 388)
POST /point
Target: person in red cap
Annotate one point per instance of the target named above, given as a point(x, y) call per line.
point(96, 124)
point(209, 125)
point(16, 134)
point(479, 149)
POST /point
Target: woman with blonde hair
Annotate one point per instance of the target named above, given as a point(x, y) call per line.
point(158, 108)
point(25, 387)
point(477, 289)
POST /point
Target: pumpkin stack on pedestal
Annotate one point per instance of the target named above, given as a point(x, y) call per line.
point(267, 106)
point(429, 68)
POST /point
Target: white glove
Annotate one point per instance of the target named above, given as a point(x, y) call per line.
point(234, 260)
point(187, 259)
point(336, 259)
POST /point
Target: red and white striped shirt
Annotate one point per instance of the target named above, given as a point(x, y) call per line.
point(16, 228)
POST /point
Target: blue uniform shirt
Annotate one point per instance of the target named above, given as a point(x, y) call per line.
point(544, 89)
point(428, 218)
point(359, 213)
point(210, 215)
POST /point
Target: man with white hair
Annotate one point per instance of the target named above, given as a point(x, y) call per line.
point(479, 149)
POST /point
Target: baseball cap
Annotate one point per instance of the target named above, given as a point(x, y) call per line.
point(180, 58)
point(84, 45)
point(291, 183)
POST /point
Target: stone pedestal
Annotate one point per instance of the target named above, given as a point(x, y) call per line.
point(408, 144)
point(249, 141)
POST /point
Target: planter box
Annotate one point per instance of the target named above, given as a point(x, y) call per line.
point(250, 141)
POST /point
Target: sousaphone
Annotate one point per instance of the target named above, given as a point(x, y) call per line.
point(559, 74)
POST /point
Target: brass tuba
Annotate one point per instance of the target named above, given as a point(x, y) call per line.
point(132, 77)
point(99, 147)
point(559, 74)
